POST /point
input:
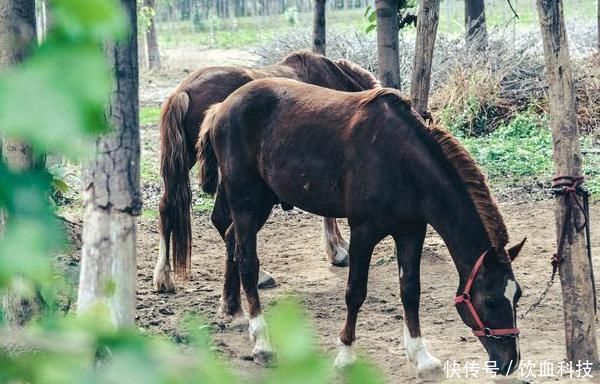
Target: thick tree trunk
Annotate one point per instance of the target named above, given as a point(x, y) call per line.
point(575, 270)
point(152, 39)
point(17, 37)
point(319, 30)
point(475, 28)
point(112, 193)
point(387, 42)
point(427, 24)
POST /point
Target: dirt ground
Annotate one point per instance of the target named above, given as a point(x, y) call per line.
point(290, 248)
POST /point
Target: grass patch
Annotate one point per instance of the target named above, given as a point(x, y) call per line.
point(520, 151)
point(204, 204)
point(149, 115)
point(148, 213)
point(149, 171)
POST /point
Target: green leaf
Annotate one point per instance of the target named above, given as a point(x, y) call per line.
point(370, 28)
point(367, 11)
point(97, 20)
point(373, 17)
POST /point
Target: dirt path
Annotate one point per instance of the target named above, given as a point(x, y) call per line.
point(290, 248)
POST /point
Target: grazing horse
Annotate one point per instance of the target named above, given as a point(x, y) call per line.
point(368, 157)
point(180, 121)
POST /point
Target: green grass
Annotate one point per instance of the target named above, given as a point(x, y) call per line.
point(243, 32)
point(149, 115)
point(520, 151)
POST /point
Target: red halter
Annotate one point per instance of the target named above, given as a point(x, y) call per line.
point(465, 297)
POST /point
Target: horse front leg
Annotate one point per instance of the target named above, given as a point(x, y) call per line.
point(362, 244)
point(336, 247)
point(409, 246)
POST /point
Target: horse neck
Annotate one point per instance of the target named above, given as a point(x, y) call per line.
point(453, 215)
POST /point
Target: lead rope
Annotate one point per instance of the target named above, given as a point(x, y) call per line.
point(569, 187)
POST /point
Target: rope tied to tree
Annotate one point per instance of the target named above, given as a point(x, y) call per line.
point(570, 187)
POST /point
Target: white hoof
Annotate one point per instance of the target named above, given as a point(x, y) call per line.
point(263, 351)
point(161, 279)
point(265, 280)
point(345, 357)
point(429, 368)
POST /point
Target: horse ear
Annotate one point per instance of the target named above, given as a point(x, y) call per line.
point(513, 251)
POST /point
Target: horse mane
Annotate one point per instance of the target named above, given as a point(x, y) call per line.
point(365, 76)
point(475, 181)
point(362, 77)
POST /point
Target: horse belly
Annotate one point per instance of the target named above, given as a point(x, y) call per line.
point(313, 190)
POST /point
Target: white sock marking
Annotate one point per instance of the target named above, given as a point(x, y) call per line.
point(417, 353)
point(161, 263)
point(259, 334)
point(345, 356)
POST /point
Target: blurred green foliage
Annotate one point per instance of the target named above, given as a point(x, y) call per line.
point(56, 101)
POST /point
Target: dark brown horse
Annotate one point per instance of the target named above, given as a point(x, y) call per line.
point(181, 117)
point(368, 157)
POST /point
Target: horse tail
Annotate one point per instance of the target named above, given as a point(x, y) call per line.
point(209, 170)
point(175, 216)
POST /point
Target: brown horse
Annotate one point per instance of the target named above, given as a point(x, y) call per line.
point(181, 117)
point(368, 157)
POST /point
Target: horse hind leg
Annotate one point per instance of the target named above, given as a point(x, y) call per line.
point(336, 247)
point(409, 246)
point(162, 280)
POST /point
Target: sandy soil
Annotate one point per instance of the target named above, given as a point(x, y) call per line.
point(290, 248)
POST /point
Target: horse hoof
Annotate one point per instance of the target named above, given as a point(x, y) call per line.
point(430, 369)
point(265, 280)
point(340, 258)
point(265, 358)
point(345, 357)
point(342, 262)
point(163, 283)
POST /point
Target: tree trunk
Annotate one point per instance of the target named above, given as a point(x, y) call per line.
point(387, 42)
point(112, 192)
point(427, 23)
point(17, 37)
point(319, 31)
point(475, 28)
point(575, 270)
point(152, 38)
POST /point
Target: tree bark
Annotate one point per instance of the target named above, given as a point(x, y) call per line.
point(319, 30)
point(427, 24)
point(575, 270)
point(112, 192)
point(17, 38)
point(475, 27)
point(152, 38)
point(387, 42)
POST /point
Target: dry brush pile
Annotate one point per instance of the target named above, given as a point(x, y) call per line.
point(480, 89)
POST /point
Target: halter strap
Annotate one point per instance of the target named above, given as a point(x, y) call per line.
point(465, 297)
